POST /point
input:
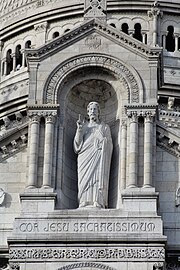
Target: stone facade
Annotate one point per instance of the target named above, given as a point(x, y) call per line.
point(56, 57)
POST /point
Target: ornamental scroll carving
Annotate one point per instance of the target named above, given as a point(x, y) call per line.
point(126, 75)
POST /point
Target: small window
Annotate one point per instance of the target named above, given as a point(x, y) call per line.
point(125, 28)
point(113, 25)
point(28, 44)
point(55, 35)
point(170, 40)
point(67, 30)
point(137, 32)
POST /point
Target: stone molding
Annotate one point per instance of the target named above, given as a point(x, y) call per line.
point(117, 36)
point(85, 265)
point(128, 76)
point(47, 111)
point(147, 111)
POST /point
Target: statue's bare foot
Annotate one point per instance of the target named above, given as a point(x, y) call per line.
point(96, 204)
point(83, 204)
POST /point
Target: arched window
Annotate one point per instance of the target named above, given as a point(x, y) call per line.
point(27, 46)
point(113, 25)
point(137, 32)
point(125, 28)
point(55, 35)
point(9, 61)
point(18, 57)
point(67, 30)
point(170, 40)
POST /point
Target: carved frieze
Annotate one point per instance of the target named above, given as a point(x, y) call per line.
point(88, 253)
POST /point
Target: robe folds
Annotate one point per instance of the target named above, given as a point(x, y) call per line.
point(94, 159)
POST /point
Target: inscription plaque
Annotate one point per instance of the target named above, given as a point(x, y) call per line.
point(72, 226)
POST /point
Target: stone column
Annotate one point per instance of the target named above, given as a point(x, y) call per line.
point(4, 69)
point(23, 57)
point(148, 148)
point(133, 149)
point(123, 153)
point(48, 150)
point(33, 150)
point(154, 14)
point(14, 61)
point(40, 32)
point(144, 38)
point(164, 41)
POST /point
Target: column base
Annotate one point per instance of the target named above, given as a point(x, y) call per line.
point(38, 200)
point(140, 200)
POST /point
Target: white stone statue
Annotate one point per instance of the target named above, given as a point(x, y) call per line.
point(93, 144)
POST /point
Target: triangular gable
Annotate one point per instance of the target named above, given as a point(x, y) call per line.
point(87, 28)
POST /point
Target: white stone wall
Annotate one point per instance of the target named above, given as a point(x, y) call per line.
point(12, 181)
point(167, 181)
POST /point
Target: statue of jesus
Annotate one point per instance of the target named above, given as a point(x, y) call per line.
point(93, 144)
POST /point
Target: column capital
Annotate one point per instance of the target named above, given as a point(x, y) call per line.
point(133, 116)
point(50, 117)
point(155, 10)
point(149, 116)
point(34, 117)
point(41, 27)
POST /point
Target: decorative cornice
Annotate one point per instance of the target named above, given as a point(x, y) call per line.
point(170, 118)
point(144, 110)
point(88, 27)
point(45, 107)
point(168, 140)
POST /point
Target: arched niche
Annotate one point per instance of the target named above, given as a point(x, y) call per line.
point(113, 85)
point(79, 88)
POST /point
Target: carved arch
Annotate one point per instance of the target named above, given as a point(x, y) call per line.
point(85, 265)
point(126, 74)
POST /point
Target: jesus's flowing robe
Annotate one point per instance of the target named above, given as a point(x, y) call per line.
point(94, 158)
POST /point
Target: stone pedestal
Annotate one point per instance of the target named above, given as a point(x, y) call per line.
point(36, 200)
point(87, 239)
point(141, 200)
